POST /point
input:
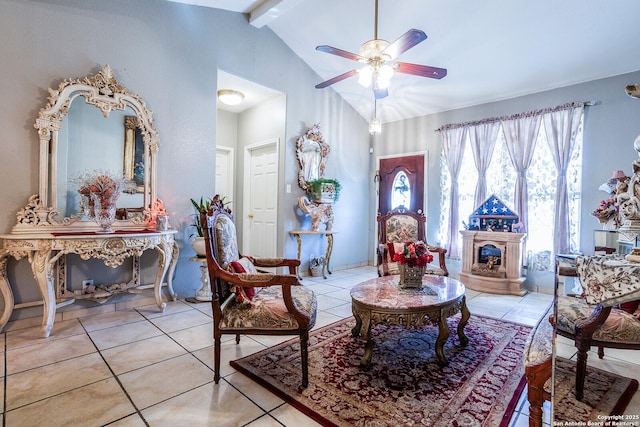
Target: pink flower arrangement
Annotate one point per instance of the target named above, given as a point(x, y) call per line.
point(606, 210)
point(105, 185)
point(413, 254)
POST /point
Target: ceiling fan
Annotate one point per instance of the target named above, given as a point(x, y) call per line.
point(378, 55)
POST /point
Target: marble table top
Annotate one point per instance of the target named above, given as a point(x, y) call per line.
point(385, 293)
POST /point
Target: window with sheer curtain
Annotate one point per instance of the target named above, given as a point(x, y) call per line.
point(500, 180)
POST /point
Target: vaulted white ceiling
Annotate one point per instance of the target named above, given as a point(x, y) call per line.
point(493, 50)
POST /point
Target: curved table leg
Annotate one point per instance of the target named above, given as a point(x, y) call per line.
point(41, 268)
point(165, 252)
point(327, 256)
point(299, 240)
point(172, 268)
point(365, 333)
point(5, 291)
point(443, 335)
point(355, 332)
point(463, 321)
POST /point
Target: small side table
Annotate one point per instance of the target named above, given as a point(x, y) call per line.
point(204, 294)
point(327, 258)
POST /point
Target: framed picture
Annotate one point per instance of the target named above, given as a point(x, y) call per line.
point(133, 152)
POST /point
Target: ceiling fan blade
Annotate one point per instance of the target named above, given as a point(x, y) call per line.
point(404, 43)
point(336, 79)
point(340, 52)
point(420, 70)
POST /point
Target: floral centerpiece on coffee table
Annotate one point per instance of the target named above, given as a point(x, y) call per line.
point(413, 254)
point(412, 259)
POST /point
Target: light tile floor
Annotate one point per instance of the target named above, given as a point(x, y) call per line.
point(138, 367)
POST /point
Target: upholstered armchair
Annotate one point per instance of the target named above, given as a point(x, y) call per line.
point(538, 366)
point(402, 225)
point(595, 319)
point(260, 303)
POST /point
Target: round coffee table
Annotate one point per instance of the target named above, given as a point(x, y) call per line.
point(382, 301)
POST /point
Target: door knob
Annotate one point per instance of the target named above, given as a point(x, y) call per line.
point(250, 215)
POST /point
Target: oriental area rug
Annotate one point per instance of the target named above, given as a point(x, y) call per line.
point(404, 386)
point(605, 394)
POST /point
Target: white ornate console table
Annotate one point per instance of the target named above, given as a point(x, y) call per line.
point(46, 254)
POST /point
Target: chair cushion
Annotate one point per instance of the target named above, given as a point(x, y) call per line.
point(243, 265)
point(620, 326)
point(267, 310)
point(539, 343)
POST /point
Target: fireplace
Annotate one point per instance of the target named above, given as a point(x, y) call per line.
point(492, 262)
point(489, 254)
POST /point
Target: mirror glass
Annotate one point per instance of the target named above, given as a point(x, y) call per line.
point(311, 156)
point(88, 141)
point(312, 151)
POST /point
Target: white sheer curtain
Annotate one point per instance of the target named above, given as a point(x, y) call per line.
point(561, 128)
point(482, 138)
point(453, 140)
point(520, 135)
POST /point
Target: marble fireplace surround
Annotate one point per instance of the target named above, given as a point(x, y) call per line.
point(505, 278)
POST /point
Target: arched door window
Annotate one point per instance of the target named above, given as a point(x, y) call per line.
point(401, 191)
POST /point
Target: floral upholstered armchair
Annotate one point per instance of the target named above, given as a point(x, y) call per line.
point(259, 303)
point(600, 317)
point(402, 225)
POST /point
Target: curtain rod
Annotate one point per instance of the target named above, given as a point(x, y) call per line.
point(566, 106)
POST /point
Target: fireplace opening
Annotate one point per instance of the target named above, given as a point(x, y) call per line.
point(489, 252)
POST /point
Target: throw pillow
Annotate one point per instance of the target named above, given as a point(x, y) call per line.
point(243, 265)
point(630, 307)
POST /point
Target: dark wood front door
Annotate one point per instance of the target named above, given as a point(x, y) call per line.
point(401, 176)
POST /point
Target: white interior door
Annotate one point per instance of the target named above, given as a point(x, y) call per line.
point(224, 173)
point(261, 200)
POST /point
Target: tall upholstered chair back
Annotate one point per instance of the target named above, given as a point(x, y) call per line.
point(601, 317)
point(402, 225)
point(257, 303)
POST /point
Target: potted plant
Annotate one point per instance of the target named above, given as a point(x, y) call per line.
point(324, 190)
point(203, 204)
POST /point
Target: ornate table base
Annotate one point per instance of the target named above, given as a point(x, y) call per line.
point(381, 301)
point(45, 253)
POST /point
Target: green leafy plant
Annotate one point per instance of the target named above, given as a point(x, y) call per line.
point(205, 204)
point(314, 187)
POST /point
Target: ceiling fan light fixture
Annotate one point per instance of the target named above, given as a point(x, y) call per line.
point(230, 97)
point(374, 49)
point(365, 75)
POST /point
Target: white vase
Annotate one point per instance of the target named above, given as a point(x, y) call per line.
point(198, 245)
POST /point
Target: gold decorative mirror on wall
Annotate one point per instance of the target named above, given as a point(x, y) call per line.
point(312, 152)
point(92, 124)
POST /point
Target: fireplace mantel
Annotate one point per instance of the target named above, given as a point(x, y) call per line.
point(500, 274)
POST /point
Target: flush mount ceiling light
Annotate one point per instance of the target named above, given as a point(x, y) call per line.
point(230, 97)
